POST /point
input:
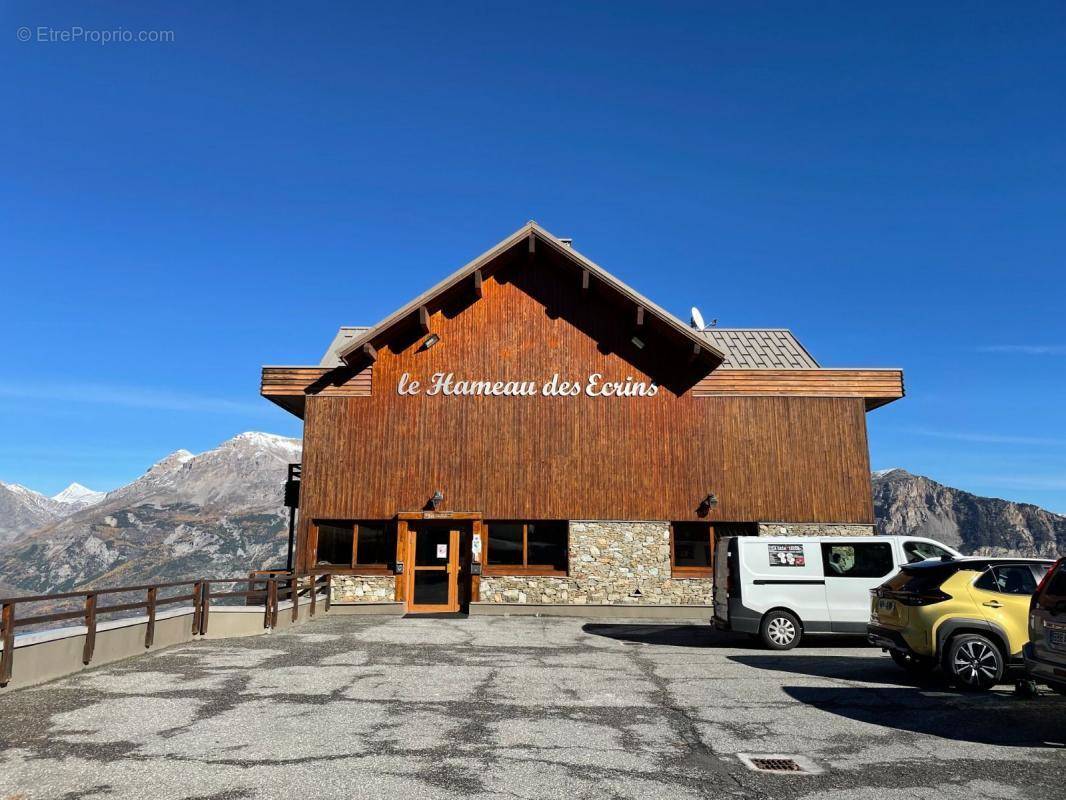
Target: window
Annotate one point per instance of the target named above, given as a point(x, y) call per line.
point(1008, 579)
point(692, 549)
point(923, 551)
point(527, 548)
point(365, 546)
point(857, 560)
point(692, 545)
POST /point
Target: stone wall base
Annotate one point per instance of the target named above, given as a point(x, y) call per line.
point(815, 529)
point(364, 588)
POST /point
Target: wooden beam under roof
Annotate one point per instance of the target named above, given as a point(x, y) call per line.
point(479, 279)
point(423, 319)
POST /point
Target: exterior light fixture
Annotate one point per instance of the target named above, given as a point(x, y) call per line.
point(706, 504)
point(638, 342)
point(436, 500)
point(429, 341)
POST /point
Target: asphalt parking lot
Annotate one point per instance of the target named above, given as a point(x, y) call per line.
point(358, 707)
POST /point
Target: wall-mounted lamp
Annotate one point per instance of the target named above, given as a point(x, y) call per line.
point(638, 342)
point(436, 500)
point(706, 504)
point(429, 341)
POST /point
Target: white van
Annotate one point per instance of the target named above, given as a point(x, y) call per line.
point(780, 587)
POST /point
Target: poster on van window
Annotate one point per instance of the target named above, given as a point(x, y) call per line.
point(786, 555)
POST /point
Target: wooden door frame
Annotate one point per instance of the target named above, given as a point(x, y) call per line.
point(405, 553)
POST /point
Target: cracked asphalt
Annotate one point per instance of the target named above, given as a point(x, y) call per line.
point(364, 707)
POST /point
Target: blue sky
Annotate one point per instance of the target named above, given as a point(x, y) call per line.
point(885, 180)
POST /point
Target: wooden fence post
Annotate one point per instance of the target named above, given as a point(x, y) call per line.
point(205, 605)
point(314, 590)
point(90, 625)
point(329, 589)
point(149, 632)
point(294, 592)
point(196, 592)
point(7, 623)
point(270, 599)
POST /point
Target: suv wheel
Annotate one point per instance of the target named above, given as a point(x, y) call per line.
point(973, 662)
point(911, 662)
point(780, 630)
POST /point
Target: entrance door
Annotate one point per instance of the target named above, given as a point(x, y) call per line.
point(433, 553)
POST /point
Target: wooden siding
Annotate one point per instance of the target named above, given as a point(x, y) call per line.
point(799, 458)
point(876, 386)
point(288, 386)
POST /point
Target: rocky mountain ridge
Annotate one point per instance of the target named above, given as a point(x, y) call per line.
point(913, 504)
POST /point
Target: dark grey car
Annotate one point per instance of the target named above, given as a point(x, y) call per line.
point(1045, 655)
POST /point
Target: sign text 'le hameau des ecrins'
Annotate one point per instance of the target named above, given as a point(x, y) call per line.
point(446, 384)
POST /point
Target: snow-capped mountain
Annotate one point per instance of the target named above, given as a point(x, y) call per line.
point(216, 514)
point(22, 509)
point(76, 497)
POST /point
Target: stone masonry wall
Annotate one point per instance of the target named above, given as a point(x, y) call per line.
point(364, 589)
point(608, 562)
point(814, 529)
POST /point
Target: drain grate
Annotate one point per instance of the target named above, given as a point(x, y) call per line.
point(776, 765)
point(779, 764)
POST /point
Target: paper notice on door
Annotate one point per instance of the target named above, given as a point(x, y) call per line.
point(442, 551)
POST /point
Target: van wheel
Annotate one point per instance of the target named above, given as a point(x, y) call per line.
point(911, 662)
point(973, 662)
point(780, 630)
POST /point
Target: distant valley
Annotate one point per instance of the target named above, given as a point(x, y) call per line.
point(220, 514)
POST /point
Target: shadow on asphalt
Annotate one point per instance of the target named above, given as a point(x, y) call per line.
point(979, 718)
point(675, 635)
point(665, 634)
point(874, 668)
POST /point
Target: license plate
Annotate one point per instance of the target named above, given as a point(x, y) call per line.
point(1057, 639)
point(888, 606)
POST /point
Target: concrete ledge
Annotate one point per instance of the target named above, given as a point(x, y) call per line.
point(593, 611)
point(42, 656)
point(47, 655)
point(389, 609)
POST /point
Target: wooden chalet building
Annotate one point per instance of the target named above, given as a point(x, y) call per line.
point(531, 434)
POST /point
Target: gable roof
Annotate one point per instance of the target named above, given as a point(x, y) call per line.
point(534, 233)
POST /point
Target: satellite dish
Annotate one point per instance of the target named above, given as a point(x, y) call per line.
point(697, 319)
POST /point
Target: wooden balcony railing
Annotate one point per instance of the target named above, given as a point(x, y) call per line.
point(265, 587)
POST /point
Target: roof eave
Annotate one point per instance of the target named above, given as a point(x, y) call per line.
point(354, 349)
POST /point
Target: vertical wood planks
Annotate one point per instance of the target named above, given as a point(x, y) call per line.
point(90, 628)
point(149, 631)
point(7, 624)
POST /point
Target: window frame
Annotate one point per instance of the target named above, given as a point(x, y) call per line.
point(525, 568)
point(688, 571)
point(354, 567)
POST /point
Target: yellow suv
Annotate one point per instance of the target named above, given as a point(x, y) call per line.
point(968, 616)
